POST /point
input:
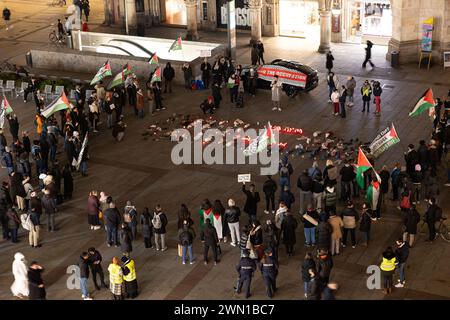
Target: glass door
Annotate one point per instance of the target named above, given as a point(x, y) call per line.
point(354, 21)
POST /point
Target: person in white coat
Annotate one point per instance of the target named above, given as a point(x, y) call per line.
point(20, 271)
point(276, 93)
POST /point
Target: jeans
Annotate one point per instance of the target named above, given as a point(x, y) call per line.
point(401, 270)
point(366, 103)
point(366, 236)
point(235, 233)
point(305, 199)
point(53, 149)
point(10, 170)
point(352, 235)
point(111, 235)
point(310, 236)
point(51, 222)
point(109, 120)
point(183, 253)
point(306, 286)
point(84, 167)
point(160, 244)
point(330, 91)
point(14, 234)
point(84, 287)
point(141, 113)
point(317, 201)
point(346, 192)
point(284, 182)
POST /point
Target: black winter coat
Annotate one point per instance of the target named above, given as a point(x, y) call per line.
point(125, 240)
point(366, 222)
point(288, 227)
point(324, 235)
point(412, 218)
point(306, 265)
point(34, 281)
point(251, 204)
point(84, 267)
point(209, 235)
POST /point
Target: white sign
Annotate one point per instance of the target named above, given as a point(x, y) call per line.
point(446, 59)
point(244, 177)
point(205, 53)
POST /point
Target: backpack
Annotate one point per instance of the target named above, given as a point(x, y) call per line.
point(284, 172)
point(332, 173)
point(185, 238)
point(406, 202)
point(156, 221)
point(25, 219)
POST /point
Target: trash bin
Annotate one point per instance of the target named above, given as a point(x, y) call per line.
point(69, 41)
point(28, 59)
point(394, 59)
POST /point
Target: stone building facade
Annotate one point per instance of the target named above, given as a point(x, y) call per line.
point(394, 23)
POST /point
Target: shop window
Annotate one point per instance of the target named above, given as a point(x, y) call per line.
point(140, 6)
point(269, 15)
point(205, 10)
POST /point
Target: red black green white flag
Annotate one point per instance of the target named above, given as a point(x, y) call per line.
point(127, 69)
point(102, 73)
point(6, 107)
point(60, 103)
point(153, 59)
point(384, 140)
point(156, 77)
point(425, 102)
point(265, 139)
point(362, 166)
point(176, 45)
point(117, 80)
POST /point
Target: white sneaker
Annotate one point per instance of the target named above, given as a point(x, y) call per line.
point(164, 249)
point(83, 296)
point(399, 285)
point(447, 184)
point(184, 262)
point(266, 212)
point(233, 244)
point(87, 298)
point(192, 262)
point(92, 227)
point(274, 108)
point(273, 211)
point(279, 109)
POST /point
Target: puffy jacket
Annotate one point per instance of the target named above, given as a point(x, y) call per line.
point(330, 197)
point(347, 174)
point(317, 187)
point(209, 235)
point(350, 216)
point(112, 217)
point(304, 182)
point(232, 214)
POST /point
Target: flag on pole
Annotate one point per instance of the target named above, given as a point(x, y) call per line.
point(127, 69)
point(103, 72)
point(384, 140)
point(6, 107)
point(265, 139)
point(156, 77)
point(425, 102)
point(373, 194)
point(83, 149)
point(153, 59)
point(117, 80)
point(362, 166)
point(60, 103)
point(176, 45)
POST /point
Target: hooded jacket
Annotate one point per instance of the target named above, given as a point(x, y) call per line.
point(20, 272)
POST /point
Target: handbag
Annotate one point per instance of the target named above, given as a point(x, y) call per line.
point(253, 254)
point(100, 215)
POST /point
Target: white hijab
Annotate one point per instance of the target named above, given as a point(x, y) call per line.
point(20, 272)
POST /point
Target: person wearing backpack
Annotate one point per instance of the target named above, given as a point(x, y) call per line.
point(34, 228)
point(405, 201)
point(304, 183)
point(285, 170)
point(130, 217)
point(186, 237)
point(330, 173)
point(412, 218)
point(159, 223)
point(269, 189)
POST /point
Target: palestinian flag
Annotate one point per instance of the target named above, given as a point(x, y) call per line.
point(83, 149)
point(425, 102)
point(265, 139)
point(373, 194)
point(102, 73)
point(153, 59)
point(127, 69)
point(117, 80)
point(6, 107)
point(362, 166)
point(58, 104)
point(176, 45)
point(156, 77)
point(384, 140)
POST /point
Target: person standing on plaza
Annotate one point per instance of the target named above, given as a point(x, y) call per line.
point(350, 85)
point(130, 217)
point(368, 54)
point(342, 99)
point(205, 67)
point(49, 206)
point(210, 240)
point(366, 93)
point(186, 237)
point(310, 220)
point(387, 267)
point(410, 221)
point(313, 286)
point(347, 174)
point(323, 235)
point(86, 9)
point(95, 260)
point(304, 183)
point(401, 253)
point(140, 104)
point(307, 264)
point(35, 282)
point(366, 222)
point(187, 74)
point(218, 221)
point(116, 279)
point(395, 181)
point(254, 56)
point(6, 14)
point(330, 198)
point(333, 83)
point(168, 75)
point(329, 62)
point(412, 158)
point(324, 267)
point(260, 47)
point(159, 223)
point(217, 95)
point(285, 171)
point(350, 217)
point(432, 215)
point(317, 192)
point(288, 226)
point(251, 203)
point(269, 271)
point(272, 239)
point(256, 239)
point(112, 222)
point(125, 239)
point(129, 277)
point(373, 197)
point(377, 91)
point(232, 215)
point(269, 189)
point(20, 288)
point(83, 265)
point(93, 210)
point(245, 269)
point(336, 224)
point(147, 228)
point(330, 173)
point(35, 226)
point(276, 86)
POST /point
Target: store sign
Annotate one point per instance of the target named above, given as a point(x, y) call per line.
point(285, 75)
point(242, 14)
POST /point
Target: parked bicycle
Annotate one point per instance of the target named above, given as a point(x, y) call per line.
point(56, 38)
point(442, 229)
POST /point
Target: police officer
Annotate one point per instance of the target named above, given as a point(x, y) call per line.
point(269, 272)
point(129, 277)
point(245, 268)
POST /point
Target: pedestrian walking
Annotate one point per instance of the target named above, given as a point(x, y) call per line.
point(35, 282)
point(20, 286)
point(368, 57)
point(254, 54)
point(276, 86)
point(329, 61)
point(307, 264)
point(324, 267)
point(6, 14)
point(260, 47)
point(245, 269)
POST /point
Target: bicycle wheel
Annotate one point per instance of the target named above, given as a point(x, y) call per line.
point(52, 37)
point(444, 231)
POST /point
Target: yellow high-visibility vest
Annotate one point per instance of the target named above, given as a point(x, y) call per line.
point(388, 265)
point(132, 274)
point(115, 274)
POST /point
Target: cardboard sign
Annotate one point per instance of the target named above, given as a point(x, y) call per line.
point(244, 177)
point(205, 53)
point(310, 219)
point(285, 75)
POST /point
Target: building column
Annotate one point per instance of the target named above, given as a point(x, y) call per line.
point(191, 13)
point(255, 19)
point(131, 16)
point(325, 25)
point(108, 13)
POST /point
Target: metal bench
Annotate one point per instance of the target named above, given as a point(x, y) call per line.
point(48, 91)
point(10, 87)
point(58, 90)
point(21, 89)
